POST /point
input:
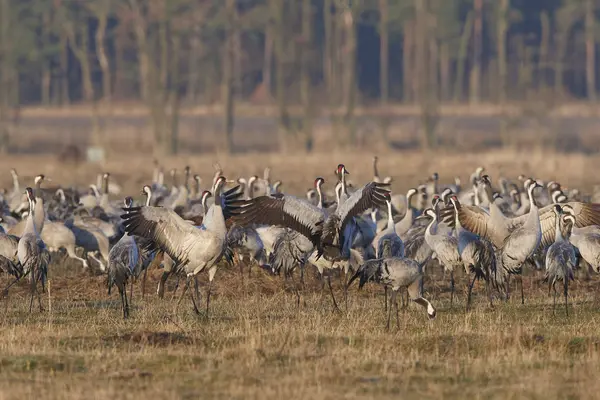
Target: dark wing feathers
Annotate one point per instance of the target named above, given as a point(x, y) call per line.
point(369, 196)
point(162, 226)
point(369, 271)
point(288, 211)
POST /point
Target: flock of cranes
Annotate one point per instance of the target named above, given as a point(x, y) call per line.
point(365, 233)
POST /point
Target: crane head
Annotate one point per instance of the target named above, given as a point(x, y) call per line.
point(557, 209)
point(39, 178)
point(341, 169)
point(30, 195)
point(128, 202)
point(319, 182)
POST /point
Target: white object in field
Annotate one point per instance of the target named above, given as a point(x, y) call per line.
point(95, 154)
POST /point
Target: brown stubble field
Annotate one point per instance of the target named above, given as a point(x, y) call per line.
point(257, 343)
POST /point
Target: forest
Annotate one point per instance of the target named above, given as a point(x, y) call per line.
point(299, 58)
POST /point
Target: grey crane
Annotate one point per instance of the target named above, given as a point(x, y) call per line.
point(478, 255)
point(32, 253)
point(395, 273)
point(523, 241)
point(445, 248)
point(332, 235)
point(586, 240)
point(496, 227)
point(406, 222)
point(9, 260)
point(389, 234)
point(560, 260)
point(194, 249)
point(123, 259)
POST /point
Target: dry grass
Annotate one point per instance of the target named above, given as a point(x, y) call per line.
point(257, 344)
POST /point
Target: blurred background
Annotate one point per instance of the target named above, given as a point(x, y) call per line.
point(233, 76)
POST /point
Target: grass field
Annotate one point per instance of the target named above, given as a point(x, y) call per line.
point(258, 344)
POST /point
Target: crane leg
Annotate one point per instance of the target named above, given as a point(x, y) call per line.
point(208, 296)
point(345, 287)
point(31, 290)
point(332, 295)
point(185, 288)
point(296, 291)
point(197, 288)
point(161, 285)
point(522, 295)
point(395, 294)
point(470, 292)
point(144, 282)
point(488, 288)
point(555, 294)
point(126, 303)
point(131, 289)
point(389, 313)
point(385, 298)
point(121, 290)
point(566, 288)
point(176, 285)
point(192, 296)
point(451, 287)
point(39, 295)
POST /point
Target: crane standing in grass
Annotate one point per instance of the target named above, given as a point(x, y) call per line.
point(396, 273)
point(560, 259)
point(32, 253)
point(123, 260)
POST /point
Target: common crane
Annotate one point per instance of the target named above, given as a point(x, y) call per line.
point(395, 273)
point(123, 259)
point(32, 253)
point(194, 249)
point(560, 259)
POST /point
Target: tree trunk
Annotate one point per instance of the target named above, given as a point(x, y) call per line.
point(384, 58)
point(6, 74)
point(278, 13)
point(174, 101)
point(444, 72)
point(268, 63)
point(81, 52)
point(475, 83)
point(425, 93)
point(409, 84)
point(228, 75)
point(350, 76)
point(139, 30)
point(46, 84)
point(502, 25)
point(194, 68)
point(329, 48)
point(462, 57)
point(544, 58)
point(65, 96)
point(103, 58)
point(305, 83)
point(590, 50)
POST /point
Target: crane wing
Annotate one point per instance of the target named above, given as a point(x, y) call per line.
point(476, 220)
point(371, 195)
point(161, 225)
point(287, 211)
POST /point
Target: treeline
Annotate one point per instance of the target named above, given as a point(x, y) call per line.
point(301, 56)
